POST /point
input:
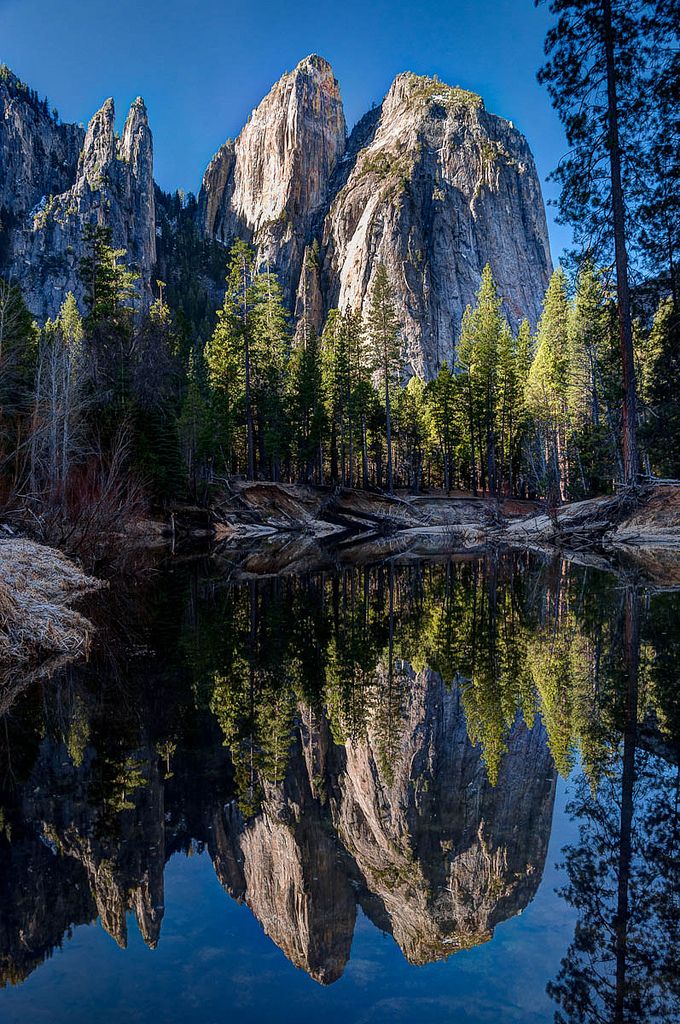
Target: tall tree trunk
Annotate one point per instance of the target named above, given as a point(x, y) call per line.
point(249, 410)
point(364, 454)
point(388, 413)
point(630, 450)
point(631, 651)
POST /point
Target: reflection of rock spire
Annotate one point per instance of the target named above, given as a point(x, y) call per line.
point(292, 873)
point(437, 855)
point(448, 855)
point(124, 867)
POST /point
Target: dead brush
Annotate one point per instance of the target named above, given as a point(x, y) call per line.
point(37, 585)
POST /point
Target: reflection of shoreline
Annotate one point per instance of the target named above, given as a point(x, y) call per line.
point(430, 850)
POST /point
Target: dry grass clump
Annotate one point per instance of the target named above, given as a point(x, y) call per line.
point(36, 585)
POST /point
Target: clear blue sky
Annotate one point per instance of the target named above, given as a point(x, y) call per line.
point(202, 67)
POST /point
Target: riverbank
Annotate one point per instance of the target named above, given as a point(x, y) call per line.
point(643, 518)
point(39, 627)
point(259, 529)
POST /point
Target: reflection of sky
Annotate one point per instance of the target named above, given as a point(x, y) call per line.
point(214, 965)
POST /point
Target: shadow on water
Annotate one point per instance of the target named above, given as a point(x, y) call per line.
point(378, 740)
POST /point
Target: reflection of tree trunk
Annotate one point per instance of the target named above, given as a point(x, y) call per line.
point(630, 449)
point(252, 602)
point(631, 653)
point(390, 669)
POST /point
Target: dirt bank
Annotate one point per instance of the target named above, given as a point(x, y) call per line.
point(648, 518)
point(260, 509)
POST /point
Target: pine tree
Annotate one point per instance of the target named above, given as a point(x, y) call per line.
point(660, 382)
point(59, 403)
point(383, 333)
point(196, 425)
point(595, 73)
point(524, 355)
point(110, 287)
point(444, 401)
point(224, 360)
point(335, 373)
point(360, 396)
point(306, 402)
point(18, 352)
point(478, 354)
point(548, 388)
point(594, 388)
point(269, 347)
point(414, 430)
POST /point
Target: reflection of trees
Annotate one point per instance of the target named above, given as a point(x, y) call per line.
point(248, 664)
point(252, 696)
point(519, 639)
point(623, 873)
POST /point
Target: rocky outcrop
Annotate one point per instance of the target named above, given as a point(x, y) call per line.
point(434, 188)
point(38, 155)
point(110, 183)
point(429, 183)
point(271, 185)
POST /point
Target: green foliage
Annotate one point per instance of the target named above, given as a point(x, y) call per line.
point(660, 378)
point(109, 284)
point(383, 327)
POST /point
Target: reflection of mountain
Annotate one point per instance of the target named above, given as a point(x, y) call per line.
point(448, 855)
point(428, 848)
point(41, 896)
point(88, 858)
point(432, 852)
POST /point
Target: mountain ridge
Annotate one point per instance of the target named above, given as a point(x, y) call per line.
point(429, 183)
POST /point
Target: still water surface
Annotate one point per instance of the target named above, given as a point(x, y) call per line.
point(419, 792)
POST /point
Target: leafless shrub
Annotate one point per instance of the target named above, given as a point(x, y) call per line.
point(97, 504)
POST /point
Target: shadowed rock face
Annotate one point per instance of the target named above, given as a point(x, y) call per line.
point(75, 179)
point(38, 907)
point(38, 156)
point(116, 855)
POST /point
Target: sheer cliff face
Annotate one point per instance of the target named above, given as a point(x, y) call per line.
point(437, 188)
point(271, 186)
point(429, 184)
point(38, 156)
point(95, 179)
